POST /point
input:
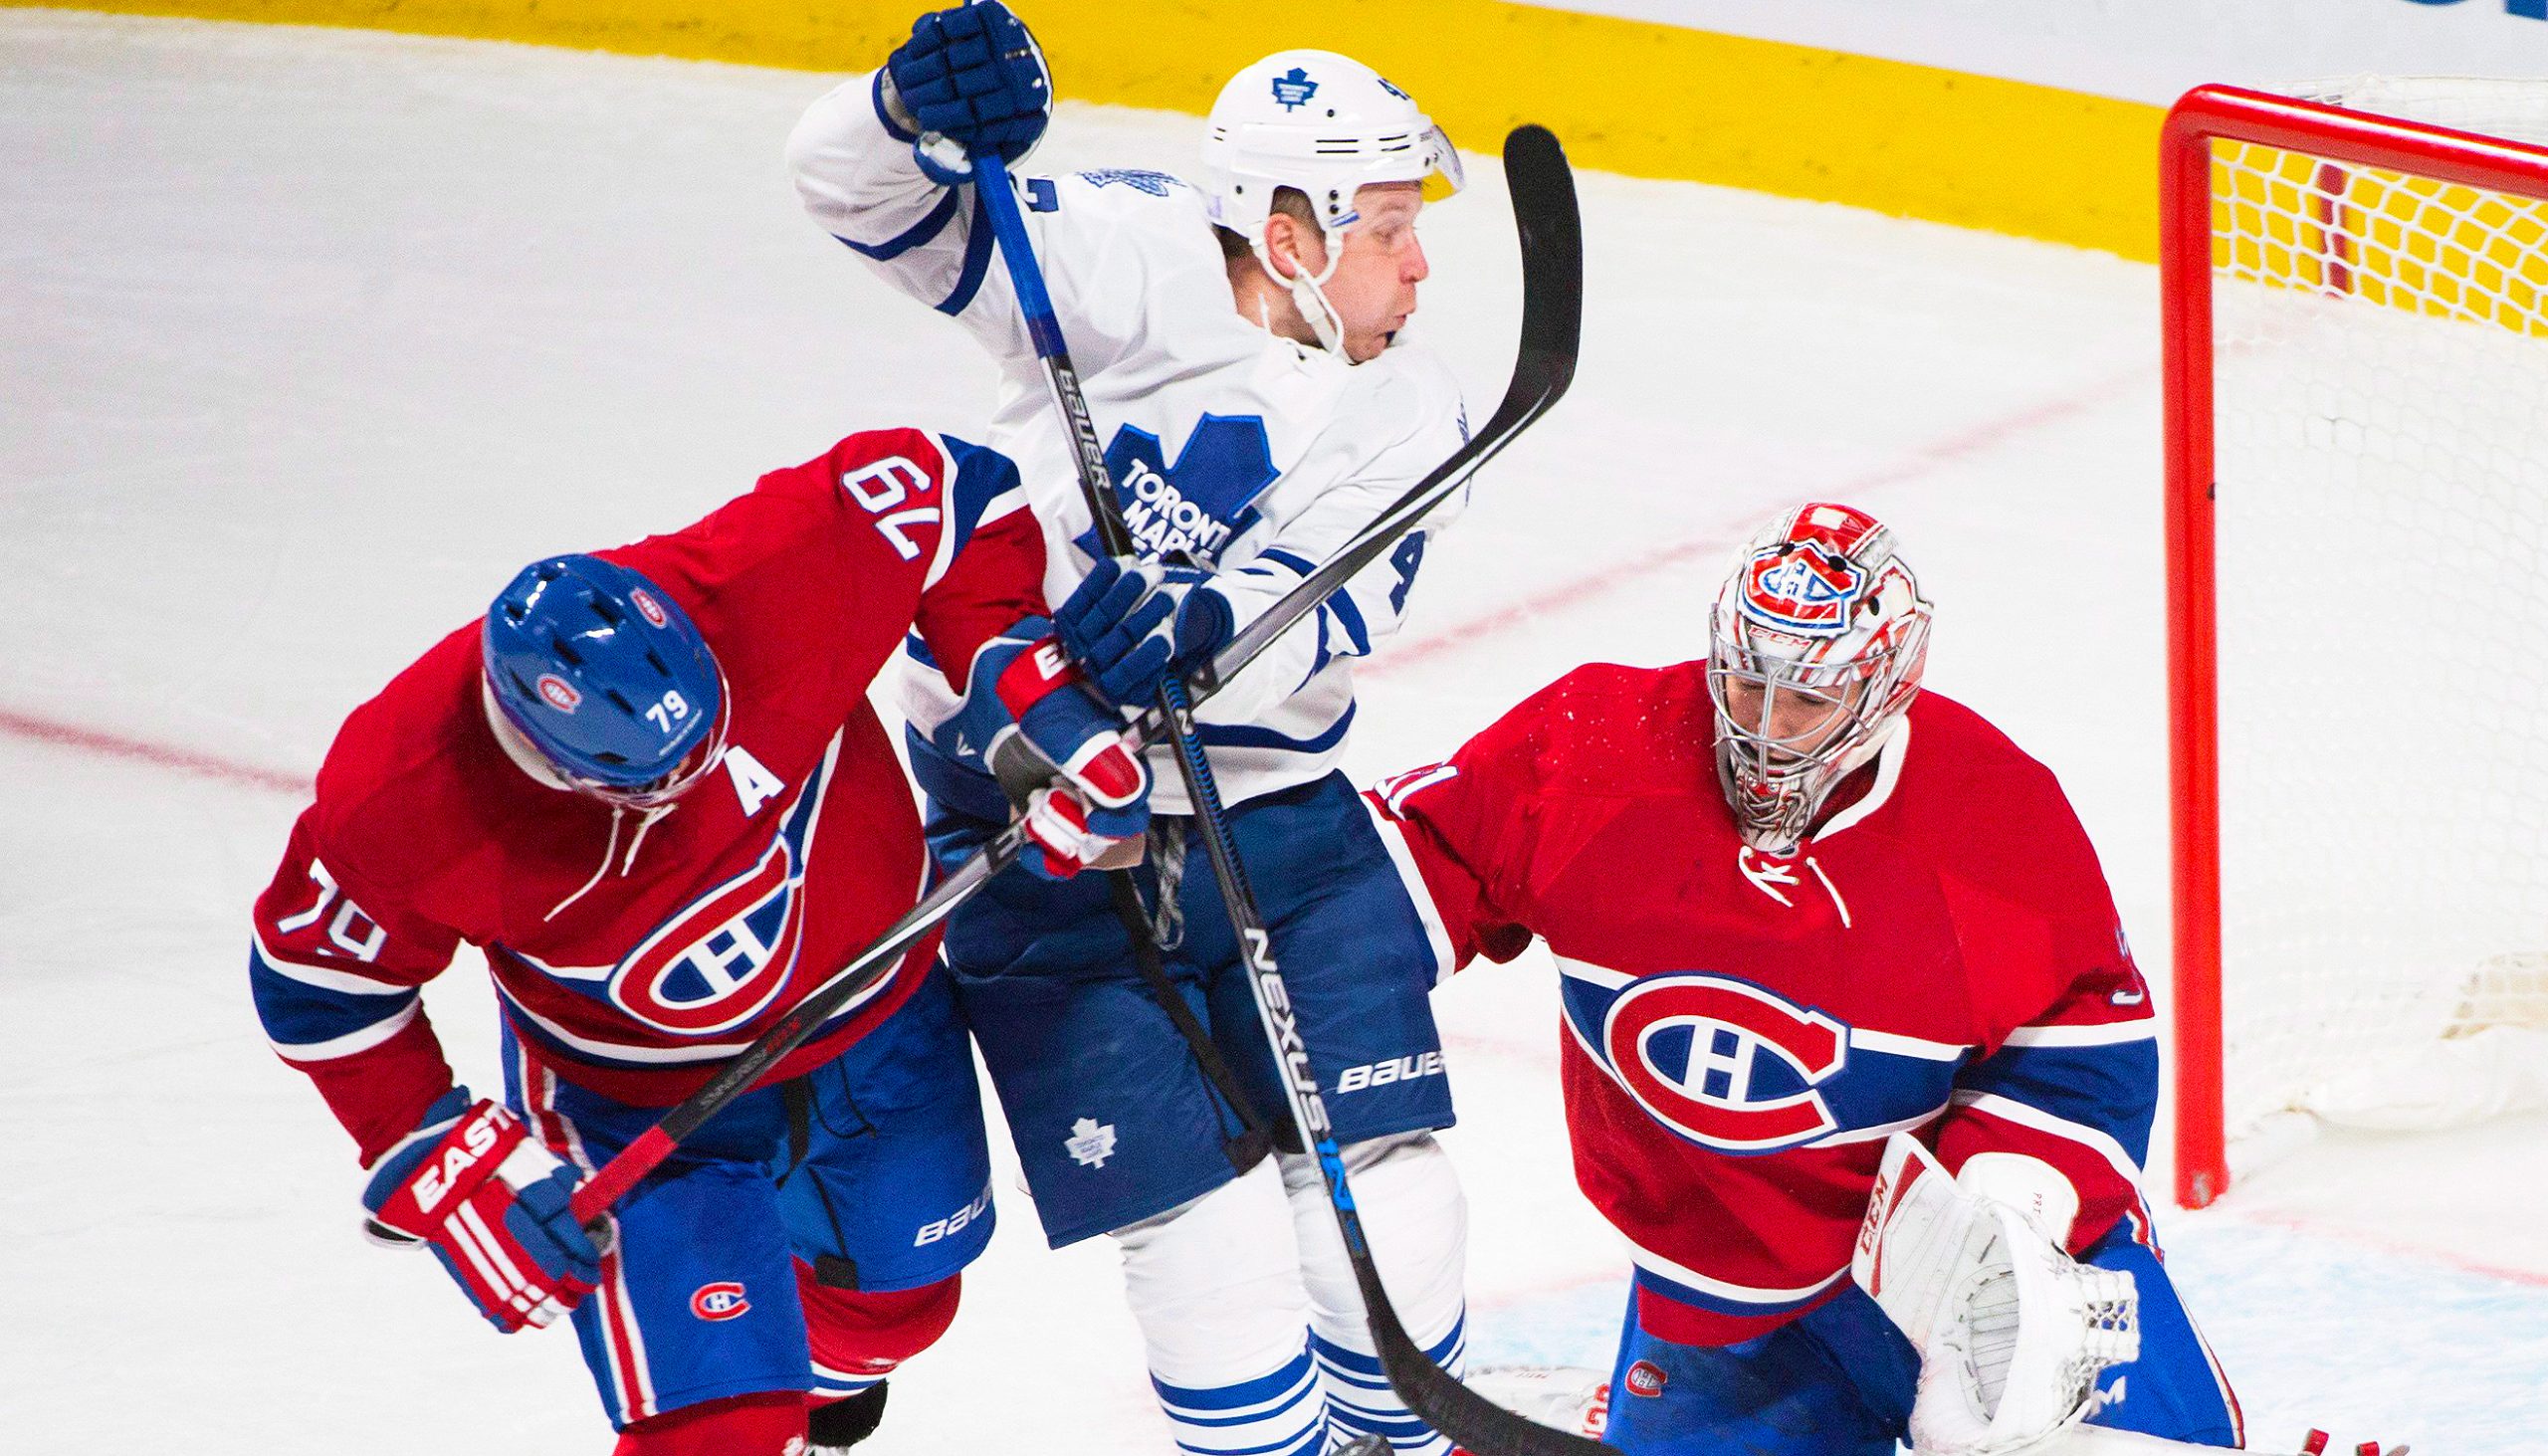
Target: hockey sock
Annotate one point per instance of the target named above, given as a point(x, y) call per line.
point(1417, 1218)
point(857, 1337)
point(771, 1423)
point(1216, 1285)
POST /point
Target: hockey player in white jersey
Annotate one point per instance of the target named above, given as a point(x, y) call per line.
point(1238, 341)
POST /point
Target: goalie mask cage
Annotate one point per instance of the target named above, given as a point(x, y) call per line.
point(2356, 317)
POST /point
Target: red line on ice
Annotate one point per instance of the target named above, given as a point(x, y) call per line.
point(106, 745)
point(1712, 544)
point(1706, 546)
point(2387, 1244)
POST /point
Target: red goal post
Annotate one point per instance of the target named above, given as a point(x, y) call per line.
point(2380, 245)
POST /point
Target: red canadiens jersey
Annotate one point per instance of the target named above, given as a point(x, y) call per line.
point(1742, 1032)
point(634, 956)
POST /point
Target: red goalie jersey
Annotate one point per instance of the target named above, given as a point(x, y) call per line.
point(1742, 1032)
point(634, 952)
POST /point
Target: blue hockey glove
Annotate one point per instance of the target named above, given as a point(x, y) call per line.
point(1131, 623)
point(973, 75)
point(1055, 746)
point(473, 1185)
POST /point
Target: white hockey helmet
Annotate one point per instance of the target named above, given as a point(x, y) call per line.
point(1815, 647)
point(1324, 123)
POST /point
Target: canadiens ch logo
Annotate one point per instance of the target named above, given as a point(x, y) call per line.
point(1802, 589)
point(724, 958)
point(1722, 1062)
point(723, 1300)
point(559, 693)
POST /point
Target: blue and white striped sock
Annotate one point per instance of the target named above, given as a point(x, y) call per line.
point(1359, 1402)
point(1275, 1415)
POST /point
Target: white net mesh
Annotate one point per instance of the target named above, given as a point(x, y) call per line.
point(2380, 375)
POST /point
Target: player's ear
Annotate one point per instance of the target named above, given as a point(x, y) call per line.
point(1286, 241)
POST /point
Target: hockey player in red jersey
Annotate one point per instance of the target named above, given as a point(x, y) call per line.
point(1821, 934)
point(649, 787)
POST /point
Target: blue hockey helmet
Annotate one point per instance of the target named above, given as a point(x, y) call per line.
point(607, 677)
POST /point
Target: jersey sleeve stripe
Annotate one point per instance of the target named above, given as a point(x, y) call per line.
point(1280, 558)
point(2110, 1034)
point(885, 118)
point(1438, 936)
point(953, 528)
point(918, 233)
point(1350, 617)
point(2024, 1115)
point(343, 982)
point(1250, 736)
point(977, 260)
point(1896, 1044)
point(360, 1039)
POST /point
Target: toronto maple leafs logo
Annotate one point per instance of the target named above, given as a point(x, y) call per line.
point(1294, 89)
point(1198, 505)
point(1154, 184)
point(1091, 1142)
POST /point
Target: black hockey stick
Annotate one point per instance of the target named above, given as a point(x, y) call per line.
point(1551, 308)
point(1543, 192)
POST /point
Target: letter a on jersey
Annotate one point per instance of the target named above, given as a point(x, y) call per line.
point(1722, 1062)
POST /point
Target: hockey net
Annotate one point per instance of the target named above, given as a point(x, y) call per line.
point(2358, 357)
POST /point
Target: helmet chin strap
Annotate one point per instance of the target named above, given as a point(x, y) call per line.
point(1309, 295)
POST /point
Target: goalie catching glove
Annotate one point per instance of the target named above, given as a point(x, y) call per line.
point(471, 1184)
point(2012, 1331)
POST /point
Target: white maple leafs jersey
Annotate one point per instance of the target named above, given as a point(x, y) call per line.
point(1248, 452)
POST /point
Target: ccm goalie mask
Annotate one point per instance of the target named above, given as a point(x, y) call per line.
point(1815, 648)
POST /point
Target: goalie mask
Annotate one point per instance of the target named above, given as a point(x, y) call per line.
point(1815, 649)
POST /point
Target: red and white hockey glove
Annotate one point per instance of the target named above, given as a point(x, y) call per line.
point(492, 1203)
point(1057, 748)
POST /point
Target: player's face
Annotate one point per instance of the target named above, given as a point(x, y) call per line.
point(1374, 287)
point(1798, 721)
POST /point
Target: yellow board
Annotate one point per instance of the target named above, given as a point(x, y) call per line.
point(1650, 100)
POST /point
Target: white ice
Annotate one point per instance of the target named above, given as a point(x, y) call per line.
point(308, 339)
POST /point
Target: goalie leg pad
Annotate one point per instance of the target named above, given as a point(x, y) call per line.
point(2174, 1388)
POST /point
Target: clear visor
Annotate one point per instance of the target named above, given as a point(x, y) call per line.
point(662, 790)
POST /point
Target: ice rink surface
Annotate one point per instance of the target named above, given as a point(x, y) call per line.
point(309, 338)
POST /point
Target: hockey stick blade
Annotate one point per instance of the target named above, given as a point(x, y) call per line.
point(1551, 312)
